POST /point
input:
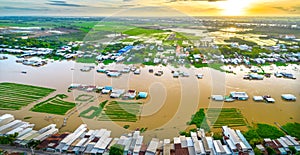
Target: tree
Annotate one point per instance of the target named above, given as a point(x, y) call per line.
point(33, 144)
point(218, 136)
point(271, 151)
point(257, 151)
point(116, 149)
point(293, 150)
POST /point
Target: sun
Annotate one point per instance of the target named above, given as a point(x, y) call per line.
point(234, 7)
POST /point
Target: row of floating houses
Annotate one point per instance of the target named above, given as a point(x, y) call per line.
point(244, 96)
point(137, 71)
point(113, 92)
point(255, 76)
point(99, 141)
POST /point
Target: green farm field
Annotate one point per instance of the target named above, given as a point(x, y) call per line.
point(121, 111)
point(54, 105)
point(14, 96)
point(231, 117)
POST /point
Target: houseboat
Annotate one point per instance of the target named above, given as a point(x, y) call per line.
point(239, 96)
point(217, 97)
point(137, 71)
point(199, 76)
point(288, 97)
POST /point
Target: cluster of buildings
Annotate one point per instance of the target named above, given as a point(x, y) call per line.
point(99, 141)
point(112, 92)
point(118, 56)
point(280, 145)
point(165, 56)
point(10, 126)
point(241, 47)
point(117, 73)
point(35, 63)
point(26, 51)
point(277, 57)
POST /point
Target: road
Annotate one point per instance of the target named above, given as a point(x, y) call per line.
point(28, 151)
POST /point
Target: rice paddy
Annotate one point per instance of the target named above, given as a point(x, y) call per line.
point(231, 117)
point(14, 96)
point(54, 105)
point(121, 111)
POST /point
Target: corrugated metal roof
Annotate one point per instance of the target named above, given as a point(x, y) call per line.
point(153, 145)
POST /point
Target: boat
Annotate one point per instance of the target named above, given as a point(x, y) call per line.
point(229, 99)
point(137, 71)
point(3, 57)
point(158, 74)
point(24, 72)
point(199, 76)
point(184, 74)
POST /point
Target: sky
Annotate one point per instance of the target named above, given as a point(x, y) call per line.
point(150, 7)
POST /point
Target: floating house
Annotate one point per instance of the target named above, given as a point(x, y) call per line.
point(158, 73)
point(137, 71)
point(288, 75)
point(288, 97)
point(107, 89)
point(217, 97)
point(278, 75)
point(116, 93)
point(113, 74)
point(258, 98)
point(86, 68)
point(125, 70)
point(239, 95)
point(184, 74)
point(131, 94)
point(255, 77)
point(270, 100)
point(142, 95)
point(101, 70)
point(175, 75)
point(199, 76)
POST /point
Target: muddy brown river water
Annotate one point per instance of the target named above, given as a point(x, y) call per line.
point(171, 101)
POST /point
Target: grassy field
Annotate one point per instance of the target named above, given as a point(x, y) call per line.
point(121, 111)
point(142, 31)
point(227, 116)
point(86, 60)
point(14, 96)
point(93, 111)
point(54, 105)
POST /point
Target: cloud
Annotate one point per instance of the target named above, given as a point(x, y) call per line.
point(170, 1)
point(22, 8)
point(289, 9)
point(63, 3)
